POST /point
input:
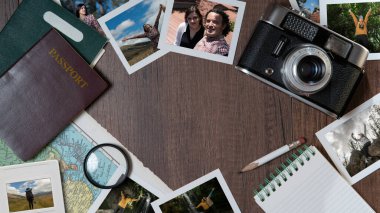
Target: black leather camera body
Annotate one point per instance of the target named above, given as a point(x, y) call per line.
point(307, 61)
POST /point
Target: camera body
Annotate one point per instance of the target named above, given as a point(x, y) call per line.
point(305, 60)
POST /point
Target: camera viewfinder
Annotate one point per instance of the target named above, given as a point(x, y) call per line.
point(338, 46)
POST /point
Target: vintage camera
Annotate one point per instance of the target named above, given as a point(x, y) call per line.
point(305, 60)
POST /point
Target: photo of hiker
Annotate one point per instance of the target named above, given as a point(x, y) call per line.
point(204, 195)
point(30, 195)
point(202, 28)
point(134, 32)
point(130, 197)
point(358, 21)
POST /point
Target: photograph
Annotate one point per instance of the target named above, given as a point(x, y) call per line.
point(309, 8)
point(129, 197)
point(134, 32)
point(209, 193)
point(353, 141)
point(203, 28)
point(31, 187)
point(29, 195)
point(97, 8)
point(89, 11)
point(356, 20)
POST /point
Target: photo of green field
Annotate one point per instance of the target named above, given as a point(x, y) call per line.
point(29, 195)
point(137, 52)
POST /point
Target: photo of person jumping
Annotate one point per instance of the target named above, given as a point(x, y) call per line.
point(361, 31)
point(150, 31)
point(134, 32)
point(358, 21)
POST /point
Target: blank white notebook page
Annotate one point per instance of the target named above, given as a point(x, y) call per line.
point(315, 187)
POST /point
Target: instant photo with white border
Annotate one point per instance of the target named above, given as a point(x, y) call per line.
point(354, 123)
point(122, 28)
point(164, 45)
point(32, 172)
point(323, 16)
point(214, 174)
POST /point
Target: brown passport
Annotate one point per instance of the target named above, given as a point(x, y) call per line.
point(43, 92)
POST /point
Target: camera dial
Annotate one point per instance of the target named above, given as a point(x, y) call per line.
point(306, 69)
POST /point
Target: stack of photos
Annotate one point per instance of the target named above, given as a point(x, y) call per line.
point(141, 31)
point(309, 8)
point(356, 20)
point(129, 197)
point(353, 141)
point(209, 193)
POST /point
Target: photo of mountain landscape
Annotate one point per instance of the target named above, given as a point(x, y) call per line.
point(29, 195)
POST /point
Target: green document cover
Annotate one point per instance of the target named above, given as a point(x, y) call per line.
point(29, 24)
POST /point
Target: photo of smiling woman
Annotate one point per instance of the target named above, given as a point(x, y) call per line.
point(192, 30)
point(217, 26)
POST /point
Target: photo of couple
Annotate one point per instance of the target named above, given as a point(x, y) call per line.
point(209, 36)
point(202, 28)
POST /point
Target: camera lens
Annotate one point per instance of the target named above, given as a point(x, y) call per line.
point(306, 70)
point(310, 69)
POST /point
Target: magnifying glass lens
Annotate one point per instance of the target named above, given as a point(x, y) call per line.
point(100, 163)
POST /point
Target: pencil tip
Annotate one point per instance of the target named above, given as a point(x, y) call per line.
point(249, 167)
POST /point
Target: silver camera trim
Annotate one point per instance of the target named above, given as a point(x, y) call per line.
point(315, 106)
point(290, 75)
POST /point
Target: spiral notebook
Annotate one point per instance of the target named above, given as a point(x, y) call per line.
point(309, 183)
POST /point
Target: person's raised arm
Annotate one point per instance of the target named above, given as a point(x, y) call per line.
point(367, 15)
point(158, 16)
point(142, 35)
point(353, 17)
point(122, 195)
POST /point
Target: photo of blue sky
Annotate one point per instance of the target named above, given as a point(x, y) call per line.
point(38, 186)
point(130, 22)
point(309, 5)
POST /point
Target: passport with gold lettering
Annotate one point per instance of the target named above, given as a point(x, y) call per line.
point(43, 92)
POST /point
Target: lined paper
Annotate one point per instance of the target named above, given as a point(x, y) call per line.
point(315, 187)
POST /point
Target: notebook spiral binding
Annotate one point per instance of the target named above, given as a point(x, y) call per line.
point(284, 172)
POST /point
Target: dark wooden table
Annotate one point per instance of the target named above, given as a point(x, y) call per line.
point(183, 117)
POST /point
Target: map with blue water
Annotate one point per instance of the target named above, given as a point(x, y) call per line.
point(70, 148)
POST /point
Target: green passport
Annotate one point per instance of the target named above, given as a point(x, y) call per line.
point(33, 19)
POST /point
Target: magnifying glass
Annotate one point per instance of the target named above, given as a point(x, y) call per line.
point(98, 161)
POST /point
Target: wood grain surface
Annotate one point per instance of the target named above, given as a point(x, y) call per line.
point(184, 117)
